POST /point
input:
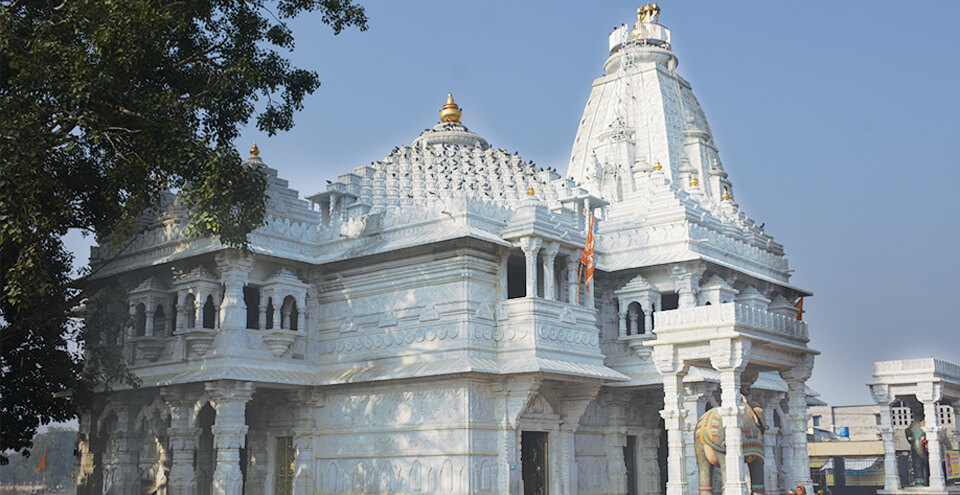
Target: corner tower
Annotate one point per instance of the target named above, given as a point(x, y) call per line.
point(644, 146)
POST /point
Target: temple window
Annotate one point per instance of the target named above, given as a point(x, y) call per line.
point(669, 301)
point(140, 320)
point(209, 313)
point(516, 276)
point(251, 298)
point(159, 322)
point(288, 314)
point(190, 303)
point(635, 324)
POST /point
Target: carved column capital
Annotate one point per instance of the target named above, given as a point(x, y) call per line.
point(550, 250)
point(728, 354)
point(799, 372)
point(929, 391)
point(530, 245)
point(667, 360)
point(881, 394)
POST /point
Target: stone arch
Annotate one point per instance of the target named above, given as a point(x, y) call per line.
point(159, 322)
point(209, 313)
point(416, 477)
point(289, 313)
point(330, 478)
point(446, 476)
point(635, 314)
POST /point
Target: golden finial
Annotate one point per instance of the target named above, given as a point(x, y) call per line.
point(726, 194)
point(254, 151)
point(531, 192)
point(657, 166)
point(645, 15)
point(693, 180)
point(451, 112)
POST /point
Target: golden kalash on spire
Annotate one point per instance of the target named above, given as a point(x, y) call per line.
point(451, 112)
point(645, 15)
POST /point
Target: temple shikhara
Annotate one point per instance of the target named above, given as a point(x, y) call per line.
point(427, 324)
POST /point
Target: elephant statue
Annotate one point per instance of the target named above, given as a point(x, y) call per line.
point(917, 439)
point(710, 446)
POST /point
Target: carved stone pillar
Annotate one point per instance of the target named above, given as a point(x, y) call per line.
point(86, 466)
point(622, 329)
point(151, 312)
point(882, 397)
point(262, 313)
point(572, 282)
point(302, 313)
point(504, 281)
point(182, 309)
point(531, 247)
point(614, 440)
point(929, 394)
point(234, 271)
point(334, 209)
point(673, 369)
point(686, 276)
point(730, 357)
point(184, 439)
point(125, 456)
point(770, 476)
point(550, 251)
point(796, 378)
point(200, 298)
point(306, 401)
point(229, 432)
point(573, 403)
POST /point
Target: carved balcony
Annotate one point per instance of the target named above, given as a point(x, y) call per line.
point(729, 319)
point(148, 347)
point(533, 322)
point(279, 341)
point(199, 340)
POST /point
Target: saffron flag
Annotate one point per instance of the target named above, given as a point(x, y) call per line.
point(799, 306)
point(43, 460)
point(586, 258)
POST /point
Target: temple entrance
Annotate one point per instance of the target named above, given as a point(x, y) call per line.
point(283, 467)
point(205, 460)
point(533, 457)
point(630, 459)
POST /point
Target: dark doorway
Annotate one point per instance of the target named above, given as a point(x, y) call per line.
point(516, 276)
point(662, 456)
point(630, 458)
point(533, 457)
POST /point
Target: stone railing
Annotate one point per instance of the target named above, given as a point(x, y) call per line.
point(731, 314)
point(927, 365)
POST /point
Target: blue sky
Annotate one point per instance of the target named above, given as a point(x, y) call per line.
point(836, 122)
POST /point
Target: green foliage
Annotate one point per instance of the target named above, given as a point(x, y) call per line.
point(105, 106)
point(60, 443)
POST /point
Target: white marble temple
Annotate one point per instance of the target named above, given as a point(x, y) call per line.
point(419, 327)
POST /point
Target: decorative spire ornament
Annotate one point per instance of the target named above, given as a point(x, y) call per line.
point(726, 194)
point(657, 166)
point(531, 192)
point(693, 180)
point(450, 112)
point(254, 151)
